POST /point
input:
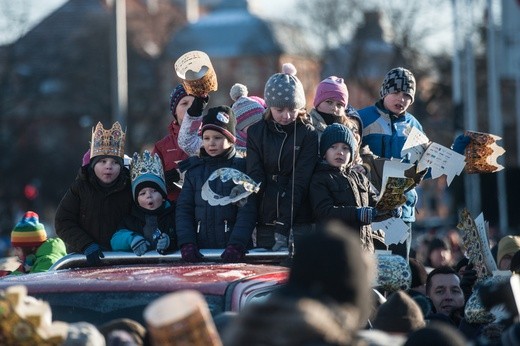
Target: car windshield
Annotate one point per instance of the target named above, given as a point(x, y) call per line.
point(101, 307)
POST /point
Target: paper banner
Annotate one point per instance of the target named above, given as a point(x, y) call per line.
point(396, 230)
point(482, 153)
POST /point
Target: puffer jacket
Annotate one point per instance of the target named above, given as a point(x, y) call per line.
point(270, 148)
point(171, 154)
point(336, 194)
point(48, 253)
point(89, 213)
point(212, 227)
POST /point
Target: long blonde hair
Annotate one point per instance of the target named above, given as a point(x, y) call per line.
point(302, 115)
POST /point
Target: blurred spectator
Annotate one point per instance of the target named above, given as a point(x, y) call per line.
point(439, 254)
point(133, 333)
point(84, 334)
point(418, 287)
point(443, 288)
point(436, 334)
point(399, 314)
point(507, 246)
point(515, 263)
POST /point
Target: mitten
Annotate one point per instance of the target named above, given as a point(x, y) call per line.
point(198, 105)
point(280, 242)
point(163, 242)
point(238, 190)
point(139, 245)
point(460, 143)
point(397, 212)
point(94, 254)
point(190, 253)
point(171, 177)
point(233, 253)
point(29, 262)
point(366, 214)
point(467, 281)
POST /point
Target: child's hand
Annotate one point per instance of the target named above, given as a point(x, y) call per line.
point(233, 253)
point(139, 245)
point(94, 254)
point(460, 144)
point(29, 262)
point(190, 253)
point(198, 105)
point(163, 242)
point(365, 215)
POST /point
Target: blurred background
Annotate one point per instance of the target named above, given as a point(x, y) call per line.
point(65, 65)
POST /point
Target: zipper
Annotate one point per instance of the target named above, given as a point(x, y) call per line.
point(198, 227)
point(225, 226)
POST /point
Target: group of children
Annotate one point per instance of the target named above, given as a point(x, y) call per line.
point(310, 168)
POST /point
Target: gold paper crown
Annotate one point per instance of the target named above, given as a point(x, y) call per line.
point(107, 142)
point(147, 164)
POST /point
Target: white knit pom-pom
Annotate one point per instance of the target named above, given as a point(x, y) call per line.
point(237, 91)
point(289, 68)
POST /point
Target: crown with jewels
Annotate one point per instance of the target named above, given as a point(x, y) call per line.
point(147, 168)
point(108, 142)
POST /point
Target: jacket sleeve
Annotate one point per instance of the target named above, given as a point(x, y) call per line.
point(185, 212)
point(254, 162)
point(122, 239)
point(67, 221)
point(47, 254)
point(189, 139)
point(323, 204)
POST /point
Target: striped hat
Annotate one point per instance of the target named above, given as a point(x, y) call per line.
point(29, 232)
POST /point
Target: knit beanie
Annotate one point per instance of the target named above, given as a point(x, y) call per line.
point(506, 245)
point(176, 95)
point(337, 133)
point(398, 79)
point(331, 88)
point(221, 119)
point(285, 89)
point(399, 314)
point(247, 110)
point(28, 232)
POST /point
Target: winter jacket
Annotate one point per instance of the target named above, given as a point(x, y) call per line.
point(386, 134)
point(336, 194)
point(270, 148)
point(133, 225)
point(45, 256)
point(90, 213)
point(171, 154)
point(209, 226)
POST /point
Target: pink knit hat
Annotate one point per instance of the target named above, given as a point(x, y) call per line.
point(247, 109)
point(331, 88)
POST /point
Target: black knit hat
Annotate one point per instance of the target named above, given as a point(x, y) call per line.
point(399, 314)
point(398, 79)
point(337, 133)
point(221, 119)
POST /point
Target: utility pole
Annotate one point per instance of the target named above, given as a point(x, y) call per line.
point(119, 75)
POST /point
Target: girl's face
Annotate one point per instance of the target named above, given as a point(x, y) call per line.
point(284, 116)
point(182, 107)
point(397, 102)
point(107, 170)
point(338, 155)
point(149, 198)
point(331, 106)
point(214, 142)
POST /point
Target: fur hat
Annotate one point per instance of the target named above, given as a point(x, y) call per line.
point(285, 89)
point(506, 245)
point(221, 119)
point(399, 314)
point(28, 232)
point(147, 171)
point(247, 110)
point(176, 95)
point(398, 79)
point(331, 88)
point(337, 133)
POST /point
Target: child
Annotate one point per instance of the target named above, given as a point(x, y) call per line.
point(151, 225)
point(199, 224)
point(281, 155)
point(248, 111)
point(386, 126)
point(35, 251)
point(167, 148)
point(339, 192)
point(95, 203)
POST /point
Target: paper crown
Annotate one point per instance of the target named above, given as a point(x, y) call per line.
point(482, 153)
point(147, 168)
point(108, 142)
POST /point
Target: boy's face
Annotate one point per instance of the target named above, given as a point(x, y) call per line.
point(149, 198)
point(284, 116)
point(397, 102)
point(107, 170)
point(18, 252)
point(214, 142)
point(338, 155)
point(331, 106)
point(182, 107)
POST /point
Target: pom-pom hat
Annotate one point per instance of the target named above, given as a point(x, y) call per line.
point(331, 88)
point(285, 89)
point(337, 133)
point(398, 79)
point(177, 94)
point(221, 119)
point(247, 110)
point(29, 232)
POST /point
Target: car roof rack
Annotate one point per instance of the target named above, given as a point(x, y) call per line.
point(254, 256)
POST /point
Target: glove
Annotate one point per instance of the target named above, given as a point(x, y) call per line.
point(233, 253)
point(198, 105)
point(29, 262)
point(163, 242)
point(190, 253)
point(171, 177)
point(139, 245)
point(366, 214)
point(280, 242)
point(460, 143)
point(238, 190)
point(94, 254)
point(467, 281)
point(397, 213)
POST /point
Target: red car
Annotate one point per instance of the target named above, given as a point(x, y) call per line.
point(126, 284)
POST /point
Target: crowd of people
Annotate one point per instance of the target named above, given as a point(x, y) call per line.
point(317, 175)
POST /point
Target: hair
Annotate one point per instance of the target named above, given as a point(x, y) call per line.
point(436, 243)
point(302, 115)
point(440, 270)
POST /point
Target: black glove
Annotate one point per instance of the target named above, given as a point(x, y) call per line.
point(171, 177)
point(234, 253)
point(190, 253)
point(467, 281)
point(94, 254)
point(198, 105)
